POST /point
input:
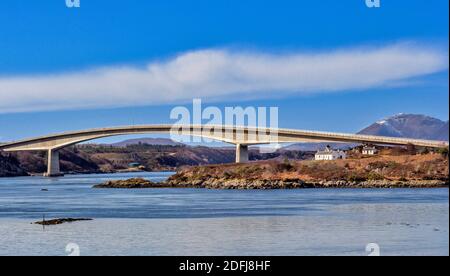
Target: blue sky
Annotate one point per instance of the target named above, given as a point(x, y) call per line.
point(41, 39)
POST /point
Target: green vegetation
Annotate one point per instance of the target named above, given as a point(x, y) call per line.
point(443, 152)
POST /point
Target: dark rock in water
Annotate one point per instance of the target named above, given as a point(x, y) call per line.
point(60, 221)
point(44, 190)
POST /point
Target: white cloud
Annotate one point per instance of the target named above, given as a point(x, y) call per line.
point(222, 74)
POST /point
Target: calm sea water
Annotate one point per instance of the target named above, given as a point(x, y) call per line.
point(218, 222)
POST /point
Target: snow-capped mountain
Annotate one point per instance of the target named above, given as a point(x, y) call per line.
point(401, 125)
point(410, 126)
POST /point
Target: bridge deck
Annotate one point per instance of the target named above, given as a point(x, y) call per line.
point(249, 136)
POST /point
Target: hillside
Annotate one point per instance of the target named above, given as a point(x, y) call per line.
point(10, 166)
point(382, 171)
point(106, 159)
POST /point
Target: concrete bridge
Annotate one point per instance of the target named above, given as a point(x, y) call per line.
point(242, 137)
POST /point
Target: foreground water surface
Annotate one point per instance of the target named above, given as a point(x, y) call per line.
point(218, 222)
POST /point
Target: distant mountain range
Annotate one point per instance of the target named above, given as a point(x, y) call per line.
point(410, 126)
point(147, 141)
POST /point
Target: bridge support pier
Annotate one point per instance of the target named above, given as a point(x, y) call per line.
point(242, 153)
point(53, 169)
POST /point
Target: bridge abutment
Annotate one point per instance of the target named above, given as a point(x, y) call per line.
point(53, 168)
point(242, 153)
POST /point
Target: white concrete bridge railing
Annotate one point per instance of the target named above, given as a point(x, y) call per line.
point(242, 137)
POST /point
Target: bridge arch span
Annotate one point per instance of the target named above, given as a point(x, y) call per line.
point(242, 137)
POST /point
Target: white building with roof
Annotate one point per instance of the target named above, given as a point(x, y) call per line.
point(367, 150)
point(330, 154)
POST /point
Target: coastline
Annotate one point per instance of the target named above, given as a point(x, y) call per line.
point(118, 172)
point(245, 184)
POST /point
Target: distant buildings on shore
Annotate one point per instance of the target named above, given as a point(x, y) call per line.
point(368, 150)
point(330, 154)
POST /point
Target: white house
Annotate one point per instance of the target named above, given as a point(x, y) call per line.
point(369, 150)
point(330, 154)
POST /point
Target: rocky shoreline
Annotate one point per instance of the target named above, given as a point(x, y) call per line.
point(245, 184)
point(136, 183)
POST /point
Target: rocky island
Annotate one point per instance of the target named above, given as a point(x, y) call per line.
point(383, 171)
point(136, 183)
point(133, 183)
